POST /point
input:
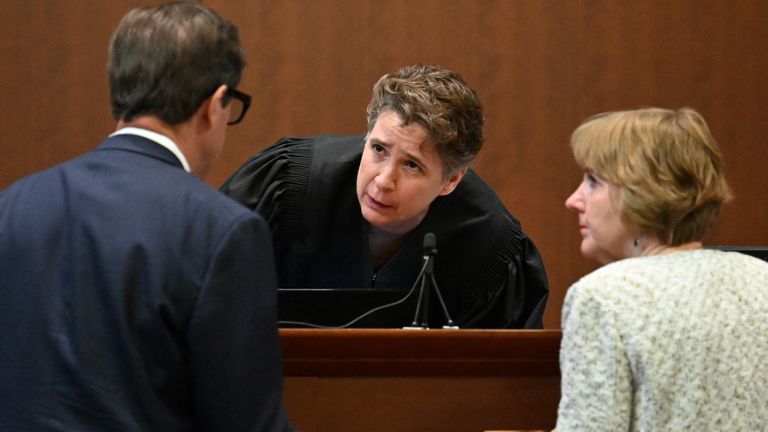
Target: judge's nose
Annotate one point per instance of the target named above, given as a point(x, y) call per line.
point(386, 178)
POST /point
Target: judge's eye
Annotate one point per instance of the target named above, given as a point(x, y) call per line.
point(413, 166)
point(378, 148)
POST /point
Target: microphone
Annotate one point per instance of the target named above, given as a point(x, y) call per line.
point(427, 282)
point(430, 245)
point(430, 250)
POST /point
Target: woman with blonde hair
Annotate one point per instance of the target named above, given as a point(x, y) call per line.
point(666, 335)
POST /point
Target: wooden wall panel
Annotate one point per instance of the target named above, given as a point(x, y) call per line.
point(540, 68)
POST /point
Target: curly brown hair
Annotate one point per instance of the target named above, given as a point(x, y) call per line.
point(439, 100)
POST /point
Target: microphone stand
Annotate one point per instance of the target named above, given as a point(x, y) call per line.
point(427, 282)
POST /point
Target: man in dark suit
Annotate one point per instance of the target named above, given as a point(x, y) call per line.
point(134, 296)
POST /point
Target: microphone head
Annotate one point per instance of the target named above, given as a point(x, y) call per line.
point(430, 244)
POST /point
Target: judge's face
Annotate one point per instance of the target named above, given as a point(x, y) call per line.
point(604, 236)
point(400, 174)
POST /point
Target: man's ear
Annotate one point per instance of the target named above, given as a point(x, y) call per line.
point(453, 180)
point(214, 105)
point(210, 111)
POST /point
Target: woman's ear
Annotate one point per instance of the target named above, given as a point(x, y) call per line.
point(453, 181)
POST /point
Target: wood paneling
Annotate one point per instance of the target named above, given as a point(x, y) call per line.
point(540, 68)
point(430, 380)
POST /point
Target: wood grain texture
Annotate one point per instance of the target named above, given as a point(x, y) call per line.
point(540, 68)
point(412, 380)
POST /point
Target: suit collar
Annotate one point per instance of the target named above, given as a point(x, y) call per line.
point(157, 137)
point(141, 145)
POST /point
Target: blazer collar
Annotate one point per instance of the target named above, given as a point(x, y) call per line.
point(141, 145)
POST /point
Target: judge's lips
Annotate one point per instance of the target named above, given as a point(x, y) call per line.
point(376, 204)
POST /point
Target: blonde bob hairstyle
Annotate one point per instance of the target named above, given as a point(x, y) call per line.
point(666, 166)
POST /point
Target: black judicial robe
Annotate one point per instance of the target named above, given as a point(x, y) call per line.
point(489, 272)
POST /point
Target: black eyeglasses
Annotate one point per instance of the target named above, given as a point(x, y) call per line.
point(240, 102)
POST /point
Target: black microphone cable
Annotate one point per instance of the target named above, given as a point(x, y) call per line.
point(376, 309)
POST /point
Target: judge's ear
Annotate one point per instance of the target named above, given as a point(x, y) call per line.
point(453, 180)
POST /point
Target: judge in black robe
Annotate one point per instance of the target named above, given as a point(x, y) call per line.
point(489, 272)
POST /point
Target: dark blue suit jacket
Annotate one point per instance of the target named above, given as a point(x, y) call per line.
point(135, 298)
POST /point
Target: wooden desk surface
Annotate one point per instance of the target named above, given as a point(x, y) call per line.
point(395, 352)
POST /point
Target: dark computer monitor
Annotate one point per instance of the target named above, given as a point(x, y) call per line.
point(760, 252)
point(304, 307)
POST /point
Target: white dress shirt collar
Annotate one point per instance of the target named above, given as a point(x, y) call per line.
point(158, 138)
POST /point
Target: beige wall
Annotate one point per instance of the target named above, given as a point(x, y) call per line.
point(539, 66)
